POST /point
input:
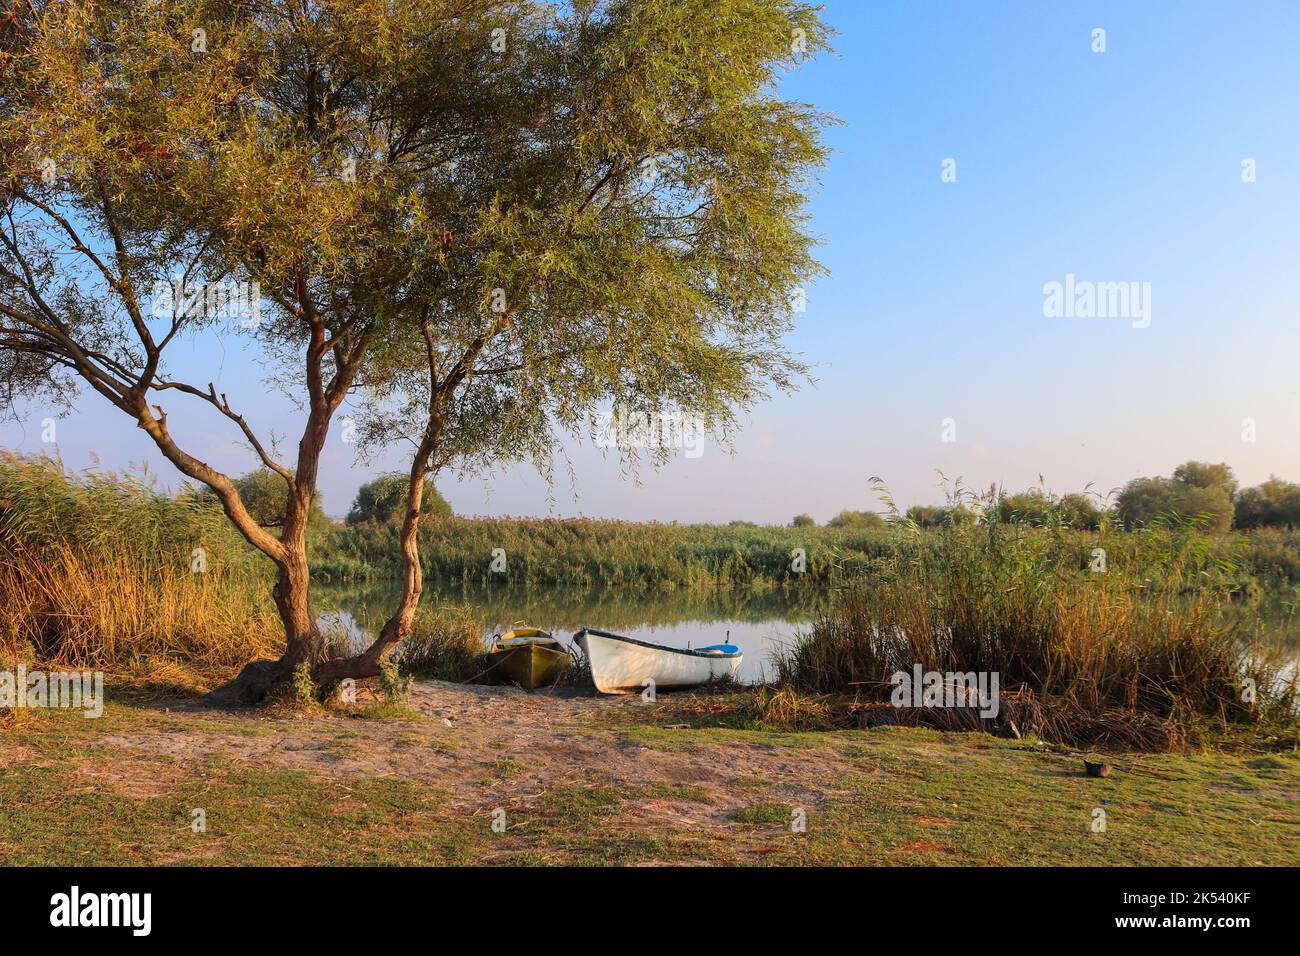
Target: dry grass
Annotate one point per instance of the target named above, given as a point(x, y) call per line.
point(1142, 654)
point(445, 643)
point(96, 572)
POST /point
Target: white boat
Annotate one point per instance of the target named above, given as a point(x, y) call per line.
point(624, 665)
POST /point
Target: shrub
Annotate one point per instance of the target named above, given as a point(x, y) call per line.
point(859, 520)
point(382, 498)
point(446, 644)
point(1274, 504)
point(1197, 491)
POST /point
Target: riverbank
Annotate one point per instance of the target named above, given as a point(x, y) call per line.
point(587, 781)
point(1142, 636)
point(585, 552)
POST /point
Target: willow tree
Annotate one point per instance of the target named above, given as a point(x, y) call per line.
point(640, 246)
point(494, 218)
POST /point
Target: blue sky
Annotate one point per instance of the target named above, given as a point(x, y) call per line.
point(1122, 166)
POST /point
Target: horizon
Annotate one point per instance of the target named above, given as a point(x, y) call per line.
point(1105, 501)
point(952, 308)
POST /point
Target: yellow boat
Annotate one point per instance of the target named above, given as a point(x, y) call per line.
point(528, 656)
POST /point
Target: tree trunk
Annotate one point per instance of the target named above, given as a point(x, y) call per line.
point(292, 592)
point(292, 599)
point(303, 641)
point(398, 626)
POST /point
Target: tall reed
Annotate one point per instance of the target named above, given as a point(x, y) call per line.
point(584, 552)
point(100, 570)
point(1109, 636)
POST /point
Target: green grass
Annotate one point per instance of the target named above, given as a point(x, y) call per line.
point(261, 817)
point(890, 795)
point(685, 792)
point(996, 803)
point(507, 767)
point(583, 552)
point(764, 813)
point(384, 710)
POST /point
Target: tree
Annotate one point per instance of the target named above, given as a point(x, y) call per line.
point(380, 499)
point(1273, 504)
point(857, 520)
point(1209, 505)
point(936, 516)
point(495, 217)
point(629, 244)
point(1197, 491)
point(1038, 508)
point(1031, 507)
point(153, 170)
point(803, 521)
point(1081, 511)
point(1143, 498)
point(1202, 474)
point(262, 492)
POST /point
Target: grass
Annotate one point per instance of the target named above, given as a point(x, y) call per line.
point(889, 795)
point(446, 643)
point(795, 718)
point(99, 571)
point(1140, 653)
point(764, 813)
point(373, 822)
point(584, 552)
point(914, 795)
point(506, 767)
point(1189, 810)
point(589, 553)
point(384, 710)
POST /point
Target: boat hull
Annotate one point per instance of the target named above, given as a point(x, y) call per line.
point(529, 657)
point(530, 665)
point(623, 665)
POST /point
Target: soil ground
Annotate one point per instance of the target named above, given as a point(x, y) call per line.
point(468, 774)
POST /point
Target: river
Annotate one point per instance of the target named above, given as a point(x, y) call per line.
point(758, 621)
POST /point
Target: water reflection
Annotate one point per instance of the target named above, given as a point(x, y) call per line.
point(757, 620)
